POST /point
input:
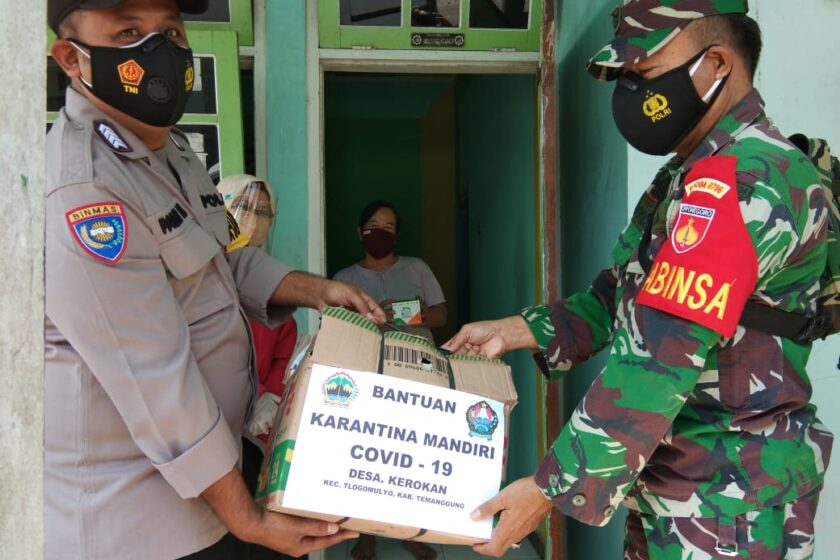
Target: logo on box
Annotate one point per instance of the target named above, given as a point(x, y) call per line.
point(340, 390)
point(482, 420)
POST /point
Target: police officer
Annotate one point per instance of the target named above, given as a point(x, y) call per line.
point(700, 423)
point(148, 355)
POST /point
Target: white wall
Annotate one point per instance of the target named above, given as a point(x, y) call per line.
point(799, 78)
point(800, 81)
point(22, 170)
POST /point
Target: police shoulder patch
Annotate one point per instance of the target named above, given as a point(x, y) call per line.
point(100, 229)
point(707, 270)
point(110, 136)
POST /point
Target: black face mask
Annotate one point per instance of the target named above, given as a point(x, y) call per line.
point(655, 115)
point(150, 80)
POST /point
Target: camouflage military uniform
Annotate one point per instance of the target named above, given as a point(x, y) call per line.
point(682, 422)
point(710, 441)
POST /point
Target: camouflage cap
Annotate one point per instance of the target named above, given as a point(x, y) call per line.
point(642, 27)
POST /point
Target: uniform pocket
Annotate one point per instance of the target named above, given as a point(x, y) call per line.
point(185, 246)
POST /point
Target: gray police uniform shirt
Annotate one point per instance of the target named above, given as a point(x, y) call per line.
point(408, 278)
point(147, 376)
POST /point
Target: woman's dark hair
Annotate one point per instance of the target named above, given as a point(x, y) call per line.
point(372, 208)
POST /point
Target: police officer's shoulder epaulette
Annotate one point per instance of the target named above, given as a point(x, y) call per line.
point(71, 160)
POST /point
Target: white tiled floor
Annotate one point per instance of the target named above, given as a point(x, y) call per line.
point(391, 549)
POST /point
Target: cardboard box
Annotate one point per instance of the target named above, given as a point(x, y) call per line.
point(407, 313)
point(386, 435)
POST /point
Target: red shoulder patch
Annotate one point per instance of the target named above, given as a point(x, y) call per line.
point(709, 268)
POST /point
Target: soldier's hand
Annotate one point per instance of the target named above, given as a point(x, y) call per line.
point(522, 505)
point(492, 339)
point(340, 294)
point(297, 536)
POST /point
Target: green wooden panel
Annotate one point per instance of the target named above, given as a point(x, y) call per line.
point(223, 46)
point(496, 173)
point(242, 22)
point(333, 35)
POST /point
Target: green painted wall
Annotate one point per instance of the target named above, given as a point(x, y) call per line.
point(372, 147)
point(592, 193)
point(286, 134)
point(369, 159)
point(495, 166)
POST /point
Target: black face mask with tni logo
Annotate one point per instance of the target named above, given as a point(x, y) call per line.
point(655, 115)
point(150, 80)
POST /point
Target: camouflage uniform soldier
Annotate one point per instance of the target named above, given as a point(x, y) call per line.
point(699, 425)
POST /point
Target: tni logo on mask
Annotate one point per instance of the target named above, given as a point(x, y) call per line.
point(131, 74)
point(656, 107)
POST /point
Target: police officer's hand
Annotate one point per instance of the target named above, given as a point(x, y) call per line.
point(522, 505)
point(297, 536)
point(307, 290)
point(341, 294)
point(230, 499)
point(492, 339)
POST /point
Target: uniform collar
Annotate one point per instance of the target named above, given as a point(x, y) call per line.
point(119, 139)
point(743, 115)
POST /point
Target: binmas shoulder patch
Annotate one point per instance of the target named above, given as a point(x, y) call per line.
point(100, 229)
point(708, 268)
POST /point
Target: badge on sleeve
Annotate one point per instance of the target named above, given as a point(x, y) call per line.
point(100, 229)
point(708, 269)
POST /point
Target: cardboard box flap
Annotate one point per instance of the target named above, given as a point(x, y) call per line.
point(346, 339)
point(491, 378)
point(415, 358)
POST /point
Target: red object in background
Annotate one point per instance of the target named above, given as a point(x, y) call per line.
point(274, 349)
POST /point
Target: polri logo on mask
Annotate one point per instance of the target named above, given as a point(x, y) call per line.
point(189, 79)
point(656, 107)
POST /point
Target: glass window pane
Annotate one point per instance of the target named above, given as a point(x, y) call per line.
point(203, 97)
point(371, 12)
point(435, 13)
point(57, 82)
point(204, 140)
point(218, 11)
point(499, 14)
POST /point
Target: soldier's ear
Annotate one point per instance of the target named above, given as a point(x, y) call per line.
point(723, 59)
point(67, 57)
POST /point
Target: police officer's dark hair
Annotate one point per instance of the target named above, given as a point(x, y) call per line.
point(67, 27)
point(372, 208)
point(738, 31)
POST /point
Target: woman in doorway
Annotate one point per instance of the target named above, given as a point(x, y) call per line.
point(391, 278)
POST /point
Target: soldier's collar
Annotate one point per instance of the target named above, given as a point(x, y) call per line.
point(118, 138)
point(747, 111)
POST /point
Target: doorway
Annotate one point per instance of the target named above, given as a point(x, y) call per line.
point(457, 155)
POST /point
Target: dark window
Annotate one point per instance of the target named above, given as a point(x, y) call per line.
point(499, 14)
point(218, 12)
point(57, 82)
point(204, 140)
point(371, 12)
point(203, 98)
point(435, 13)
